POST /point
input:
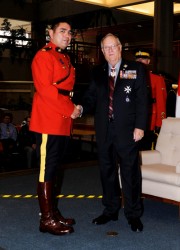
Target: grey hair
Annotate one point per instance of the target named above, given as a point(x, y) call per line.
point(107, 35)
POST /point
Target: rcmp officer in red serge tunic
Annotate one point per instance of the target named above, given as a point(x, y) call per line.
point(51, 119)
point(157, 100)
point(119, 128)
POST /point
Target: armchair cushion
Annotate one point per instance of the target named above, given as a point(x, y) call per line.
point(150, 157)
point(168, 143)
point(161, 167)
point(161, 173)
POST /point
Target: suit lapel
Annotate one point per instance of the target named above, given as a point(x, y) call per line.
point(105, 76)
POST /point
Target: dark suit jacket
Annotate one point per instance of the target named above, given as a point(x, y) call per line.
point(130, 101)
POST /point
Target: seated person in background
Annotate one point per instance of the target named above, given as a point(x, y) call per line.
point(8, 134)
point(27, 143)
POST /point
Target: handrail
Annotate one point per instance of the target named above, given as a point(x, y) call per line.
point(17, 81)
point(22, 87)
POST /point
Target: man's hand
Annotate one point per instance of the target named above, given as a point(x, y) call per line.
point(77, 111)
point(81, 109)
point(138, 134)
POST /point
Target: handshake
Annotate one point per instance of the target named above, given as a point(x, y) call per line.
point(78, 109)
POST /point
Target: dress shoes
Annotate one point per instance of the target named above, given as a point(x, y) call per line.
point(103, 219)
point(136, 225)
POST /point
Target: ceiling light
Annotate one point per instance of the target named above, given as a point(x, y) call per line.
point(110, 3)
point(128, 5)
point(147, 8)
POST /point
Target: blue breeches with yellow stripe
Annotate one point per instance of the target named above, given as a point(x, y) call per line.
point(50, 151)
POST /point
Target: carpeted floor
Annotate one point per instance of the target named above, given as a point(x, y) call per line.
point(19, 217)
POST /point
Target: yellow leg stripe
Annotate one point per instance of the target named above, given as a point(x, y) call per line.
point(43, 157)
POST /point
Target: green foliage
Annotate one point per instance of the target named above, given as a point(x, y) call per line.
point(14, 42)
point(6, 25)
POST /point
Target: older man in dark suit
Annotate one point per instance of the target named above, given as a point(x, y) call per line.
point(118, 93)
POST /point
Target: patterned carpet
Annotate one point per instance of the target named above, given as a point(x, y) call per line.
point(81, 199)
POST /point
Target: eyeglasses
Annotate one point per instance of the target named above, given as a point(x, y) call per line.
point(112, 47)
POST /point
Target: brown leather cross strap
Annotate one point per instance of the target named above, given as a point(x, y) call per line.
point(56, 55)
point(111, 91)
point(64, 78)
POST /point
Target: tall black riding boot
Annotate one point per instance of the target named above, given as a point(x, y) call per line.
point(48, 223)
point(56, 213)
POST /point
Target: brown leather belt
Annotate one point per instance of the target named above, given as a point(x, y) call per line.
point(66, 92)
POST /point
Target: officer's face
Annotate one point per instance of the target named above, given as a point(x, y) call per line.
point(61, 36)
point(145, 61)
point(111, 49)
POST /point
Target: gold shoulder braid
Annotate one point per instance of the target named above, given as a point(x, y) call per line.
point(46, 49)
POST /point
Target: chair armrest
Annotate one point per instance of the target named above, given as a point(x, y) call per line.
point(150, 157)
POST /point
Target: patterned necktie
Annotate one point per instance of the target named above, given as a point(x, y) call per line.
point(7, 130)
point(111, 91)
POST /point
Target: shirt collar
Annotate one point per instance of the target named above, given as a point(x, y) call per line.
point(117, 66)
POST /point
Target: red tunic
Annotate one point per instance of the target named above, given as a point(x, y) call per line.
point(51, 110)
point(158, 105)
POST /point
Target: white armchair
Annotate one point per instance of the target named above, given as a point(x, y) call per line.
point(161, 167)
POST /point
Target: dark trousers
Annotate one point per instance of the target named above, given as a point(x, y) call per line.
point(9, 146)
point(128, 158)
point(50, 150)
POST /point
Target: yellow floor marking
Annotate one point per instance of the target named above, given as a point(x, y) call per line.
point(6, 196)
point(69, 196)
point(28, 196)
point(60, 196)
point(81, 196)
point(91, 196)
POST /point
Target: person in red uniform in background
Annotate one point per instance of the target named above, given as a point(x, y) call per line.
point(51, 119)
point(157, 101)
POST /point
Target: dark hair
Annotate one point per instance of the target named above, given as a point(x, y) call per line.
point(10, 115)
point(54, 23)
